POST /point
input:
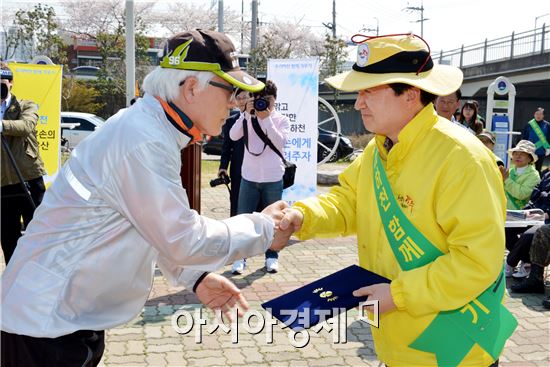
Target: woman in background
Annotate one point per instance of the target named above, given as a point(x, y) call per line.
point(468, 117)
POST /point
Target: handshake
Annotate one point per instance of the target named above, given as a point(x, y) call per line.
point(287, 221)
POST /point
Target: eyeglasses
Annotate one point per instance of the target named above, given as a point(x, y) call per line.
point(234, 90)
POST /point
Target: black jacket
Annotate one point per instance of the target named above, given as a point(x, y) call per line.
point(540, 197)
point(232, 151)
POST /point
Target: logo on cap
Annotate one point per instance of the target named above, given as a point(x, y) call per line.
point(234, 59)
point(363, 53)
point(177, 56)
point(6, 74)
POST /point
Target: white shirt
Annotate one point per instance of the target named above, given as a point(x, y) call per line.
point(521, 170)
point(456, 122)
point(267, 167)
point(87, 259)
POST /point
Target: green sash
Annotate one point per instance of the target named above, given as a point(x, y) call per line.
point(518, 204)
point(452, 334)
point(542, 139)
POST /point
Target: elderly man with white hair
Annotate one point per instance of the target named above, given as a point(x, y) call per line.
point(117, 208)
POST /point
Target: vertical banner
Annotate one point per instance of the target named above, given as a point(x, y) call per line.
point(297, 83)
point(42, 85)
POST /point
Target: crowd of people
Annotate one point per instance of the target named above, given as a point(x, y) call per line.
point(56, 304)
point(528, 247)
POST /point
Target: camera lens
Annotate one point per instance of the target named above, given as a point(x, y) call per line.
point(260, 104)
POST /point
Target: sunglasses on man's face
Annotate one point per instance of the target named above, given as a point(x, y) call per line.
point(234, 90)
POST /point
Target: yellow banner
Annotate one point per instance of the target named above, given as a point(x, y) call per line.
point(42, 85)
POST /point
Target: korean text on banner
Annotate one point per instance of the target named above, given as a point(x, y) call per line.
point(42, 85)
point(297, 83)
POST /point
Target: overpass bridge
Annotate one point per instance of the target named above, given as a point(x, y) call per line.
point(524, 58)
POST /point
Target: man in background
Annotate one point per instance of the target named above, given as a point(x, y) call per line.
point(446, 106)
point(538, 132)
point(18, 128)
point(232, 153)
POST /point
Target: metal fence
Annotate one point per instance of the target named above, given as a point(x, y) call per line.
point(536, 41)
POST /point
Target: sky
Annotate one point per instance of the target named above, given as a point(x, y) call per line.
point(449, 24)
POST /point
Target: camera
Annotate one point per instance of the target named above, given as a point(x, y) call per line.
point(260, 103)
point(223, 179)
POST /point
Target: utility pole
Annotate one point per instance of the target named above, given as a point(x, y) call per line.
point(254, 24)
point(332, 26)
point(242, 22)
point(220, 15)
point(253, 37)
point(377, 29)
point(130, 53)
point(333, 18)
point(410, 9)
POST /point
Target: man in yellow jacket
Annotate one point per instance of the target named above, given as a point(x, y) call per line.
point(426, 202)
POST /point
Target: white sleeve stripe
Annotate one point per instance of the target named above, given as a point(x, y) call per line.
point(77, 186)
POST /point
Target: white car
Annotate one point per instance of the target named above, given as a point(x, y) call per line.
point(85, 72)
point(75, 126)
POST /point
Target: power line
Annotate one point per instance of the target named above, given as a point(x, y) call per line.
point(410, 9)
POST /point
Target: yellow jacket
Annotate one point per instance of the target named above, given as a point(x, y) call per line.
point(450, 188)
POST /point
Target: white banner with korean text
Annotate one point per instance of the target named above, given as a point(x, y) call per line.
point(297, 82)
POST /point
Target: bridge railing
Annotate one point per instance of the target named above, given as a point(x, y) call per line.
point(535, 41)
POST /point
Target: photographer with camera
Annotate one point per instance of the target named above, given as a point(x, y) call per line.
point(18, 128)
point(262, 170)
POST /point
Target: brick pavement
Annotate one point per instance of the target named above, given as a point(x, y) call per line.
point(150, 340)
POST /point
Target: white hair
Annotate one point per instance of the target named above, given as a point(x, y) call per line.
point(165, 82)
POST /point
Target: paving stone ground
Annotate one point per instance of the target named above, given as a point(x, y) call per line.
point(151, 340)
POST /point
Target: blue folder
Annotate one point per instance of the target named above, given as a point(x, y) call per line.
point(324, 298)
